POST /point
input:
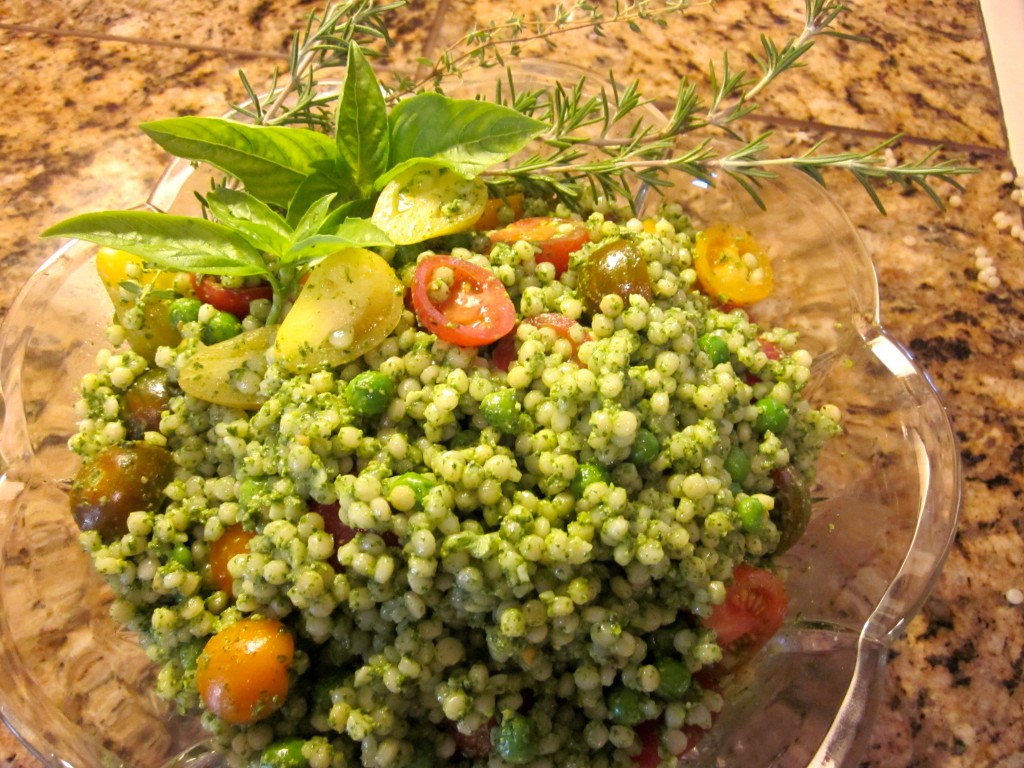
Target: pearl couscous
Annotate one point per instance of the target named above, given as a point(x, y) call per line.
point(495, 554)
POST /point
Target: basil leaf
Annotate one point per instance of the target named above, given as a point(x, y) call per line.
point(327, 178)
point(179, 243)
point(358, 233)
point(271, 161)
point(356, 209)
point(263, 227)
point(312, 219)
point(464, 135)
point(362, 123)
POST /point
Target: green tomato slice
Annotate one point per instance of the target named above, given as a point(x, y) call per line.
point(426, 202)
point(228, 373)
point(350, 303)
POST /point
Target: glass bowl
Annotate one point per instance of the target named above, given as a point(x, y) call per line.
point(78, 690)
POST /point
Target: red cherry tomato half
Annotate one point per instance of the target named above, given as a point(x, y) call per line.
point(556, 238)
point(342, 533)
point(504, 351)
point(477, 310)
point(475, 745)
point(210, 290)
point(754, 609)
point(649, 734)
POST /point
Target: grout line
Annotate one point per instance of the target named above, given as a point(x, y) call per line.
point(431, 42)
point(247, 53)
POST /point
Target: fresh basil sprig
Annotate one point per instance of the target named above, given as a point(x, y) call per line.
point(304, 194)
point(249, 238)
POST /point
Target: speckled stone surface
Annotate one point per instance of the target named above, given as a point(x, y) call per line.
point(955, 694)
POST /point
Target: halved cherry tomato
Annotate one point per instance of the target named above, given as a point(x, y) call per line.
point(210, 290)
point(616, 268)
point(348, 306)
point(476, 745)
point(492, 208)
point(504, 351)
point(556, 238)
point(477, 310)
point(343, 533)
point(234, 541)
point(116, 267)
point(731, 265)
point(649, 734)
point(754, 609)
point(242, 672)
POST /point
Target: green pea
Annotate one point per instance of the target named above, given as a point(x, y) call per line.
point(674, 679)
point(182, 555)
point(516, 739)
point(501, 409)
point(715, 347)
point(588, 473)
point(626, 706)
point(184, 310)
point(737, 464)
point(645, 447)
point(423, 758)
point(222, 326)
point(370, 392)
point(322, 695)
point(253, 493)
point(286, 753)
point(465, 438)
point(419, 484)
point(772, 416)
point(751, 514)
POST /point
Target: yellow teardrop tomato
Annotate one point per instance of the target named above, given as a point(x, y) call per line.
point(242, 672)
point(731, 265)
point(422, 203)
point(350, 303)
point(116, 267)
point(228, 372)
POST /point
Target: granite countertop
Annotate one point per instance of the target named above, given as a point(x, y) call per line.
point(82, 74)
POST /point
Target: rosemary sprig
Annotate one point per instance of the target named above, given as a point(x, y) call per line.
point(601, 142)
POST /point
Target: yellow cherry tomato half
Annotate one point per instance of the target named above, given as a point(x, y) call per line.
point(234, 541)
point(229, 372)
point(115, 267)
point(731, 265)
point(351, 302)
point(242, 672)
point(426, 202)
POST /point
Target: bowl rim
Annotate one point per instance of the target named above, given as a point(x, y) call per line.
point(845, 738)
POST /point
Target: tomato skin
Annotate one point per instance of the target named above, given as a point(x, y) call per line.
point(649, 734)
point(615, 268)
point(731, 265)
point(478, 309)
point(476, 745)
point(753, 610)
point(492, 208)
point(234, 541)
point(235, 301)
point(556, 238)
point(504, 352)
point(242, 672)
point(117, 481)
